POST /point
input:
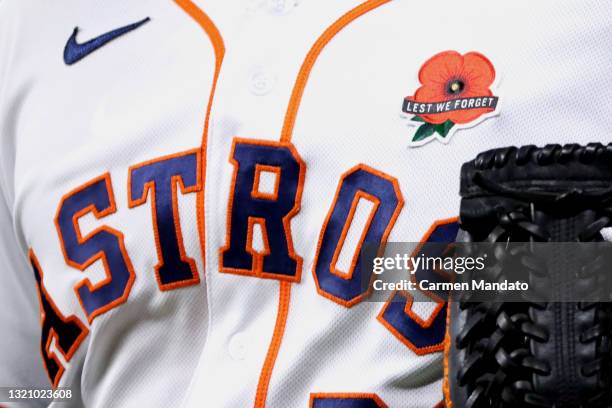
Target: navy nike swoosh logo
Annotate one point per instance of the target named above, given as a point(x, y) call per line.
point(74, 51)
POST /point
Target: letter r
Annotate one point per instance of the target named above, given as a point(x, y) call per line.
point(272, 212)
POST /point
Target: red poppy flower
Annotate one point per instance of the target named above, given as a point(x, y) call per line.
point(450, 75)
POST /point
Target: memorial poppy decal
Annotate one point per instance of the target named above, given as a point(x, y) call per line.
point(454, 93)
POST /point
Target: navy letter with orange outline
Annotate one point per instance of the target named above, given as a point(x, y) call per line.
point(422, 336)
point(346, 400)
point(104, 243)
point(69, 332)
point(273, 212)
point(360, 182)
point(161, 178)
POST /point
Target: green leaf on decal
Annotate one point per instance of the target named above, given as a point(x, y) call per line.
point(424, 131)
point(444, 128)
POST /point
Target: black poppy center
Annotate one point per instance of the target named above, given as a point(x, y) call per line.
point(455, 87)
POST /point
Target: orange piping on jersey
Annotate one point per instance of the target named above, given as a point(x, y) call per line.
point(177, 182)
point(255, 193)
point(371, 396)
point(257, 267)
point(219, 49)
point(447, 346)
point(345, 229)
point(311, 58)
point(286, 133)
point(52, 334)
point(100, 255)
point(284, 299)
point(383, 241)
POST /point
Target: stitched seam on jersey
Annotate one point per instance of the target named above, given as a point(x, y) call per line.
point(284, 298)
point(286, 133)
point(311, 58)
point(447, 346)
point(213, 34)
point(219, 49)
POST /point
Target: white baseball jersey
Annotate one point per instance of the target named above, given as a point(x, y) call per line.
point(186, 185)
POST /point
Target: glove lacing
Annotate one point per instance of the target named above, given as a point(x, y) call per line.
point(496, 336)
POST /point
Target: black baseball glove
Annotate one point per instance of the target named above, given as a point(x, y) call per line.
point(551, 349)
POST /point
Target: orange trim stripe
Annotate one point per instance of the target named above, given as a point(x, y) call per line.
point(219, 49)
point(286, 133)
point(447, 347)
point(284, 298)
point(311, 58)
point(289, 121)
